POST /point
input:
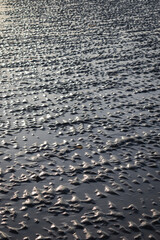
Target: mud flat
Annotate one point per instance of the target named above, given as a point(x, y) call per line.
point(79, 120)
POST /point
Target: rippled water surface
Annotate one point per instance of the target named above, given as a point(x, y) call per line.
point(79, 119)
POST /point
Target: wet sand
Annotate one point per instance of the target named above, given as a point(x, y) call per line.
point(79, 120)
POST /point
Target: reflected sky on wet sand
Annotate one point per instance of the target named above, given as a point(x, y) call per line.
point(79, 119)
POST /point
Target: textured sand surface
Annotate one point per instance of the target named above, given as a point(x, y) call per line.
point(79, 120)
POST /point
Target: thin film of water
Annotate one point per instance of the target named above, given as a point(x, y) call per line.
point(79, 120)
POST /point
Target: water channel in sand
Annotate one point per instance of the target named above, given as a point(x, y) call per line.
point(79, 119)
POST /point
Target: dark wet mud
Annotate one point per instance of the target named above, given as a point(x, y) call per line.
point(79, 120)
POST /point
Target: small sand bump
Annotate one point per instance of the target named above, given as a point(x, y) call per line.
point(155, 213)
point(103, 235)
point(131, 207)
point(151, 237)
point(13, 229)
point(62, 189)
point(100, 194)
point(88, 235)
point(116, 214)
point(133, 226)
point(113, 231)
point(110, 190)
point(146, 225)
point(77, 225)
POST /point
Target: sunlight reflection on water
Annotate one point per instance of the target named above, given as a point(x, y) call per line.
point(3, 14)
point(79, 119)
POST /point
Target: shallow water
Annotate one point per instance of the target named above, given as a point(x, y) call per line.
point(79, 120)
